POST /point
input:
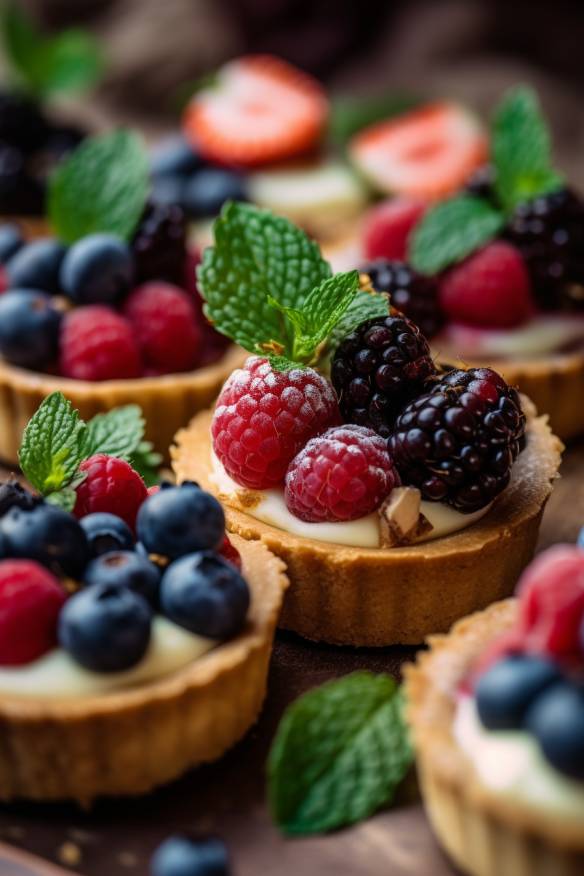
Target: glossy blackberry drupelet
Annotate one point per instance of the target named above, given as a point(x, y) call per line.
point(413, 294)
point(458, 441)
point(378, 368)
point(159, 244)
point(549, 233)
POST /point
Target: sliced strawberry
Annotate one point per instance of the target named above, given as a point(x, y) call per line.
point(260, 109)
point(387, 227)
point(427, 153)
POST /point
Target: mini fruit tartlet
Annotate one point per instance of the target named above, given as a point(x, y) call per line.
point(134, 636)
point(496, 710)
point(108, 310)
point(494, 275)
point(400, 496)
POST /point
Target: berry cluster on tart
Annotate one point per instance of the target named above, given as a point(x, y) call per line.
point(380, 486)
point(107, 310)
point(497, 715)
point(125, 624)
point(495, 274)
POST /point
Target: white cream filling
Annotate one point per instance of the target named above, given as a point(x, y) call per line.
point(510, 763)
point(542, 335)
point(57, 674)
point(363, 532)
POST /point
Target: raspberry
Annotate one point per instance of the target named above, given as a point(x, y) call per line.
point(549, 233)
point(159, 244)
point(551, 600)
point(343, 474)
point(264, 417)
point(230, 553)
point(98, 344)
point(110, 485)
point(30, 601)
point(3, 279)
point(411, 293)
point(387, 227)
point(165, 324)
point(457, 442)
point(491, 289)
point(378, 368)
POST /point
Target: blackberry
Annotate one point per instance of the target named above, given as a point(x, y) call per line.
point(481, 183)
point(549, 233)
point(22, 123)
point(412, 293)
point(14, 495)
point(19, 191)
point(377, 368)
point(458, 441)
point(159, 244)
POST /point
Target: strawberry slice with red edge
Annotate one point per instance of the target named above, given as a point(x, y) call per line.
point(260, 109)
point(427, 153)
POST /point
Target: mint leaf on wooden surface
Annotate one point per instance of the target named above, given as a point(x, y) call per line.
point(101, 186)
point(521, 149)
point(118, 432)
point(451, 231)
point(339, 754)
point(52, 445)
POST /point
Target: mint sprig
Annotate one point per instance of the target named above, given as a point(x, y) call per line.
point(56, 441)
point(339, 754)
point(45, 65)
point(101, 187)
point(521, 158)
point(365, 305)
point(267, 287)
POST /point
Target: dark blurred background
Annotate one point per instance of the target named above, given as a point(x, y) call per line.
point(467, 49)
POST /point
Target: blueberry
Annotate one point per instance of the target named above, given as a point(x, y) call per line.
point(10, 241)
point(505, 691)
point(187, 856)
point(209, 188)
point(174, 156)
point(205, 594)
point(49, 535)
point(126, 569)
point(106, 628)
point(13, 494)
point(36, 265)
point(168, 190)
point(107, 532)
point(179, 520)
point(581, 538)
point(98, 269)
point(29, 328)
point(556, 719)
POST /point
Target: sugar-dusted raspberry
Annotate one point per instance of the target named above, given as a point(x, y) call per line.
point(110, 485)
point(30, 601)
point(98, 344)
point(264, 417)
point(551, 603)
point(166, 326)
point(343, 474)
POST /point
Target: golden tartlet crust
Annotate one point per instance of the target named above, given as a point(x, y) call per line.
point(371, 597)
point(485, 833)
point(168, 402)
point(131, 741)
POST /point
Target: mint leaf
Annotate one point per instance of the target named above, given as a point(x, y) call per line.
point(339, 754)
point(44, 65)
point(521, 149)
point(102, 186)
point(365, 305)
point(147, 462)
point(258, 258)
point(64, 499)
point(115, 433)
point(452, 230)
point(52, 445)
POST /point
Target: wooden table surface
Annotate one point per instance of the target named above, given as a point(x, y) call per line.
point(117, 837)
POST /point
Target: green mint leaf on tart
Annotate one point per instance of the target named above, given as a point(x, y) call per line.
point(52, 445)
point(116, 433)
point(451, 231)
point(44, 65)
point(64, 499)
point(521, 149)
point(147, 462)
point(102, 186)
point(365, 305)
point(339, 754)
